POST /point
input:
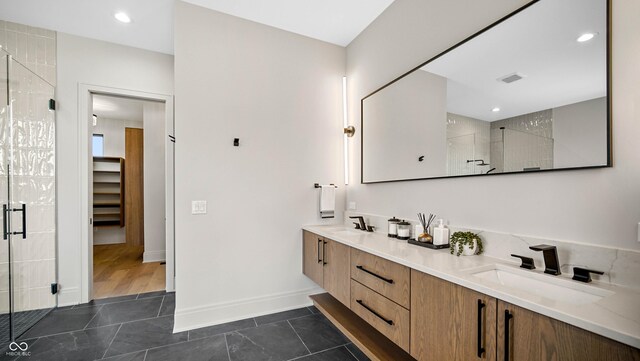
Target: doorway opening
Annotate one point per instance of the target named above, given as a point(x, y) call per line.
point(128, 191)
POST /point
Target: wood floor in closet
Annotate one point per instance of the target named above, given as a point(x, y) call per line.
point(118, 270)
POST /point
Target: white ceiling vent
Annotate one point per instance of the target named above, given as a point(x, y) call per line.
point(511, 78)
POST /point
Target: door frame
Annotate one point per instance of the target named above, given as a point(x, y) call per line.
point(85, 111)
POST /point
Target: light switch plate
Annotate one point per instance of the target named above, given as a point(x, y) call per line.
point(352, 206)
point(638, 231)
point(198, 207)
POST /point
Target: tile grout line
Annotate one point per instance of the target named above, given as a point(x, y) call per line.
point(160, 309)
point(120, 301)
point(238, 330)
point(221, 333)
point(80, 330)
point(286, 319)
point(226, 343)
point(110, 343)
point(115, 323)
point(299, 338)
point(315, 353)
point(349, 351)
point(94, 316)
point(147, 351)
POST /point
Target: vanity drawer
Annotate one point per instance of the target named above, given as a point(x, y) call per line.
point(389, 279)
point(391, 319)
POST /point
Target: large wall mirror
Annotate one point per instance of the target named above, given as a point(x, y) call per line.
point(529, 93)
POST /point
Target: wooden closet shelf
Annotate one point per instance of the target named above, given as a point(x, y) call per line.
point(110, 223)
point(106, 204)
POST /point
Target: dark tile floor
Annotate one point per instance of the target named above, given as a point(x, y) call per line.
point(140, 328)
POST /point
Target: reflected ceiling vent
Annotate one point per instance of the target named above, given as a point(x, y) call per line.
point(511, 78)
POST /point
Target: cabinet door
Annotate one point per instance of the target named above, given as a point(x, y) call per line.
point(450, 322)
point(312, 245)
point(532, 336)
point(337, 279)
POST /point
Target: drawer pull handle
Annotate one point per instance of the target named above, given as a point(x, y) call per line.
point(481, 349)
point(319, 245)
point(388, 280)
point(374, 312)
point(324, 253)
point(507, 317)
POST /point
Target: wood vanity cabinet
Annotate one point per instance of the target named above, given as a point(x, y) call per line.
point(327, 263)
point(312, 267)
point(450, 322)
point(525, 335)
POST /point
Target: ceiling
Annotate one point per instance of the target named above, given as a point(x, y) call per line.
point(539, 43)
point(119, 108)
point(333, 21)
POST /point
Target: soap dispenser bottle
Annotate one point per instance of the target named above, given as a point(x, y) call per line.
point(440, 234)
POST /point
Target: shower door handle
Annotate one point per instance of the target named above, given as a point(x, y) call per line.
point(24, 220)
point(5, 215)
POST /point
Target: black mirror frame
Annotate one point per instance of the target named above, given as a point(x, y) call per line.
point(609, 118)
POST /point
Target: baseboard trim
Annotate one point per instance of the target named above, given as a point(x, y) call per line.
point(153, 256)
point(215, 314)
point(68, 296)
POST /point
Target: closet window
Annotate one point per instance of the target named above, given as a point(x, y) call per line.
point(98, 145)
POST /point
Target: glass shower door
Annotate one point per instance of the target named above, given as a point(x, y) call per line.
point(5, 296)
point(29, 172)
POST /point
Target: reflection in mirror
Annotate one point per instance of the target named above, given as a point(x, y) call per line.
point(528, 94)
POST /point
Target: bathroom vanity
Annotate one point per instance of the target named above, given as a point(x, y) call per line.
point(401, 302)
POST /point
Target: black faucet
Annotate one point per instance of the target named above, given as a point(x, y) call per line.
point(527, 262)
point(584, 274)
point(550, 254)
point(363, 225)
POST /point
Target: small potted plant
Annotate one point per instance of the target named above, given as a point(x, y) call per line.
point(465, 243)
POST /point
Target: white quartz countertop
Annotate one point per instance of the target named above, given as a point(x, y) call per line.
point(616, 315)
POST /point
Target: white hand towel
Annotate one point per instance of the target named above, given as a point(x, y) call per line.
point(327, 201)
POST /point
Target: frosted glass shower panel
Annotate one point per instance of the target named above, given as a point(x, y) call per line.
point(526, 151)
point(4, 244)
point(459, 151)
point(32, 182)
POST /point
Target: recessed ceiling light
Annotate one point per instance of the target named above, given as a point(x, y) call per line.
point(585, 37)
point(122, 17)
point(495, 110)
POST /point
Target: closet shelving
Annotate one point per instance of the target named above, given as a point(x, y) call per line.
point(108, 191)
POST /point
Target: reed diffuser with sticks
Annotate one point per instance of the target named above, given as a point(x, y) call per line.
point(425, 237)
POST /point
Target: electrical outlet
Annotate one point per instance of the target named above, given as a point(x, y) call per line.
point(198, 207)
point(352, 206)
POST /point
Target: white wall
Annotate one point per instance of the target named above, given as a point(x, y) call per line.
point(404, 122)
point(579, 134)
point(154, 182)
point(86, 61)
point(600, 206)
point(113, 132)
point(281, 94)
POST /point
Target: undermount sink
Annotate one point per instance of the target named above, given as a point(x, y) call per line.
point(546, 286)
point(349, 233)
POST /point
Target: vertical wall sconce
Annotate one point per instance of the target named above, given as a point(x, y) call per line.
point(349, 131)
